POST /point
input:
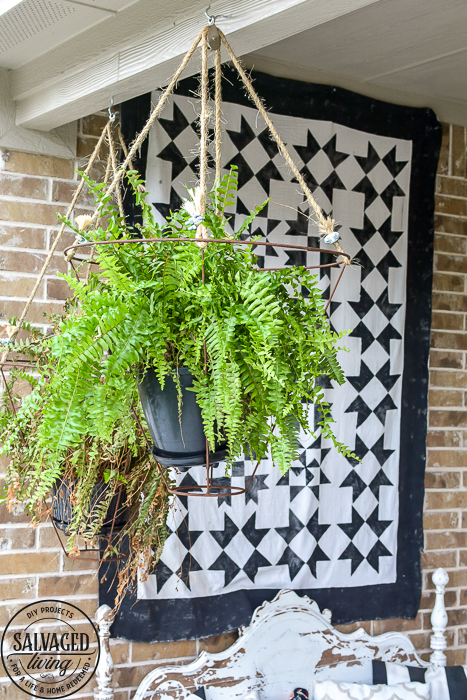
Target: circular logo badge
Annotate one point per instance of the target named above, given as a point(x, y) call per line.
point(50, 649)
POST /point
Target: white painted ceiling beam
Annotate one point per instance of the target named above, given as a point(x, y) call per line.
point(125, 57)
point(57, 142)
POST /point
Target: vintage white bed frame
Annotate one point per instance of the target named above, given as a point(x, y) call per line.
point(288, 643)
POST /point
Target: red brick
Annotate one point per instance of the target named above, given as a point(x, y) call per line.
point(462, 633)
point(38, 312)
point(218, 643)
point(162, 650)
point(87, 144)
point(29, 562)
point(66, 239)
point(449, 341)
point(17, 538)
point(22, 186)
point(442, 480)
point(446, 419)
point(444, 378)
point(27, 212)
point(14, 588)
point(451, 263)
point(440, 500)
point(449, 302)
point(93, 125)
point(17, 285)
point(450, 224)
point(455, 657)
point(420, 640)
point(448, 322)
point(457, 617)
point(441, 358)
point(445, 540)
point(8, 611)
point(428, 600)
point(59, 289)
point(17, 514)
point(455, 187)
point(440, 459)
point(23, 237)
point(458, 151)
point(433, 560)
point(32, 164)
point(83, 584)
point(81, 563)
point(440, 521)
point(131, 676)
point(445, 397)
point(444, 243)
point(443, 163)
point(446, 282)
point(48, 537)
point(444, 438)
point(397, 625)
point(63, 191)
point(450, 206)
point(20, 261)
point(463, 558)
point(456, 579)
point(120, 651)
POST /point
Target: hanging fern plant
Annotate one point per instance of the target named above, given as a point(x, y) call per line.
point(80, 481)
point(147, 307)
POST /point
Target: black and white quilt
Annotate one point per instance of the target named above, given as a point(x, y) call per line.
point(347, 534)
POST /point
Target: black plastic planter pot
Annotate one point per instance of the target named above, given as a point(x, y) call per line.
point(179, 441)
point(62, 512)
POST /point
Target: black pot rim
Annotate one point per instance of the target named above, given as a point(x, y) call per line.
point(187, 460)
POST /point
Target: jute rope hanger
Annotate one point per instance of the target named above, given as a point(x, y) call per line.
point(325, 224)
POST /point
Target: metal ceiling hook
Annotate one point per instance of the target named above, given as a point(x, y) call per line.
point(212, 18)
point(112, 115)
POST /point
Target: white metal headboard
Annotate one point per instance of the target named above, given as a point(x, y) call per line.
point(289, 642)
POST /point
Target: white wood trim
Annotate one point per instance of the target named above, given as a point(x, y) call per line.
point(59, 142)
point(446, 110)
point(46, 100)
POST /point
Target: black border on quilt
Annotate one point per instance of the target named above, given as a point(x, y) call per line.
point(190, 618)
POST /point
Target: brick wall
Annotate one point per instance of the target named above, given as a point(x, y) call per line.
point(32, 189)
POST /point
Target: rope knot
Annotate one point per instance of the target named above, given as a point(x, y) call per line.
point(326, 229)
point(196, 207)
point(83, 222)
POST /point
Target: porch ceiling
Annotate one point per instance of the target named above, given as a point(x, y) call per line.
point(66, 58)
point(417, 48)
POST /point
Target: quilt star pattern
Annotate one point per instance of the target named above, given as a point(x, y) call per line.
point(330, 524)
